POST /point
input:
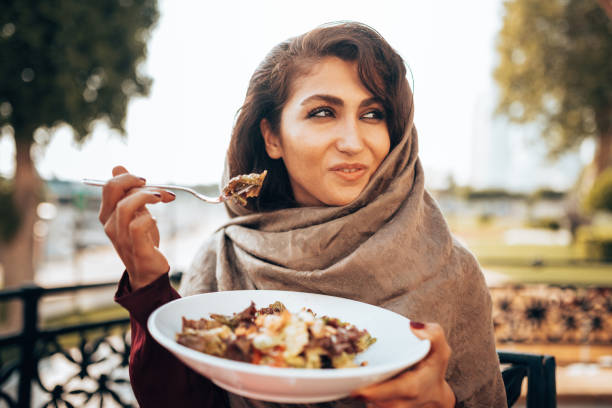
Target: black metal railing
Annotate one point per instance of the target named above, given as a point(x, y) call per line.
point(96, 354)
point(539, 370)
point(99, 353)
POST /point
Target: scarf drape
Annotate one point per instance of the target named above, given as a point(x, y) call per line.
point(391, 247)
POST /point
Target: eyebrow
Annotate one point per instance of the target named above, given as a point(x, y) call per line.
point(334, 100)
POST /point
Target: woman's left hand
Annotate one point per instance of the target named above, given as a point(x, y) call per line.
point(422, 385)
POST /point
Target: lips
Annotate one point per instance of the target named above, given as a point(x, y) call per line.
point(349, 171)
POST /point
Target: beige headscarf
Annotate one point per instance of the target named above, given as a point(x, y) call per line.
point(391, 247)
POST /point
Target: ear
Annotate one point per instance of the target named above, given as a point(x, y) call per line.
point(271, 140)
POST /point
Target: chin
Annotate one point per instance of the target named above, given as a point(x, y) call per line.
point(340, 200)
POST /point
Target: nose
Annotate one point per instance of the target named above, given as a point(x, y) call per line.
point(349, 138)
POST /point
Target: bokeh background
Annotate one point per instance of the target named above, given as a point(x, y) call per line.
point(513, 104)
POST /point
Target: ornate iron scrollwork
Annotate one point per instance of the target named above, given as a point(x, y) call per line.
point(98, 364)
point(70, 366)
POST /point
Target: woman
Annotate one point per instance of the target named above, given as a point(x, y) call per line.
point(343, 212)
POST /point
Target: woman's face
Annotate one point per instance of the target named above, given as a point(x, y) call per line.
point(333, 135)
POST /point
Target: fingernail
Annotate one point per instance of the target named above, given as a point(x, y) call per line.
point(157, 195)
point(171, 193)
point(144, 180)
point(417, 325)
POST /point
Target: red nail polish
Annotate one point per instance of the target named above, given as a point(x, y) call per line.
point(171, 193)
point(157, 195)
point(417, 325)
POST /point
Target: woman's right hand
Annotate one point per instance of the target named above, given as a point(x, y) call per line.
point(131, 228)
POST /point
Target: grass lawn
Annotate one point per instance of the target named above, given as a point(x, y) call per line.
point(552, 264)
point(97, 315)
point(584, 275)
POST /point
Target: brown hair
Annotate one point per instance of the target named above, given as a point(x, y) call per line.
point(380, 68)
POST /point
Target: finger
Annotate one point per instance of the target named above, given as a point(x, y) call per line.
point(407, 385)
point(403, 386)
point(114, 190)
point(149, 262)
point(117, 170)
point(153, 232)
point(143, 231)
point(392, 404)
point(167, 196)
point(388, 404)
point(127, 208)
point(439, 351)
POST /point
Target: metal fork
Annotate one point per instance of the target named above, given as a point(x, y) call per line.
point(212, 200)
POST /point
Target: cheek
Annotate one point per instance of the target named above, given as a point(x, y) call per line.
point(306, 151)
point(302, 161)
point(381, 147)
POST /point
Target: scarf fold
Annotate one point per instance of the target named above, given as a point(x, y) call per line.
point(391, 247)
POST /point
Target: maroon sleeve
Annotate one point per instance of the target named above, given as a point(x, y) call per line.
point(158, 378)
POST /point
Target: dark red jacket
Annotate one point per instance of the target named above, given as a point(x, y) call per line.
point(158, 378)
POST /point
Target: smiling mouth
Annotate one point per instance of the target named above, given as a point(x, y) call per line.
point(349, 171)
point(348, 167)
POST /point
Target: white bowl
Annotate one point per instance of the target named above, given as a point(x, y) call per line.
point(396, 347)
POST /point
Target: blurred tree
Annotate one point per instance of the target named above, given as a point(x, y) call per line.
point(62, 62)
point(600, 196)
point(555, 70)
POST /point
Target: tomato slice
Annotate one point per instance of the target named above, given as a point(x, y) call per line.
point(256, 358)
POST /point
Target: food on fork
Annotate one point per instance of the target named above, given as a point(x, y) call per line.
point(274, 336)
point(244, 186)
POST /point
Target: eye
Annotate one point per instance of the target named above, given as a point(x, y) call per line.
point(321, 112)
point(374, 114)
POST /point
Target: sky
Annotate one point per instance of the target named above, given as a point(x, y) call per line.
point(202, 54)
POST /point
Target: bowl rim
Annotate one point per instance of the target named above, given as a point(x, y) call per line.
point(418, 354)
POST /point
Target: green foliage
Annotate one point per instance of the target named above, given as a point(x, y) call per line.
point(600, 195)
point(9, 220)
point(485, 218)
point(555, 69)
point(550, 223)
point(595, 243)
point(71, 62)
point(68, 62)
point(489, 194)
point(547, 194)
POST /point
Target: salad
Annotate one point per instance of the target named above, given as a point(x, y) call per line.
point(276, 337)
point(244, 186)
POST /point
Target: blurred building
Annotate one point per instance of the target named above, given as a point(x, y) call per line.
point(514, 157)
